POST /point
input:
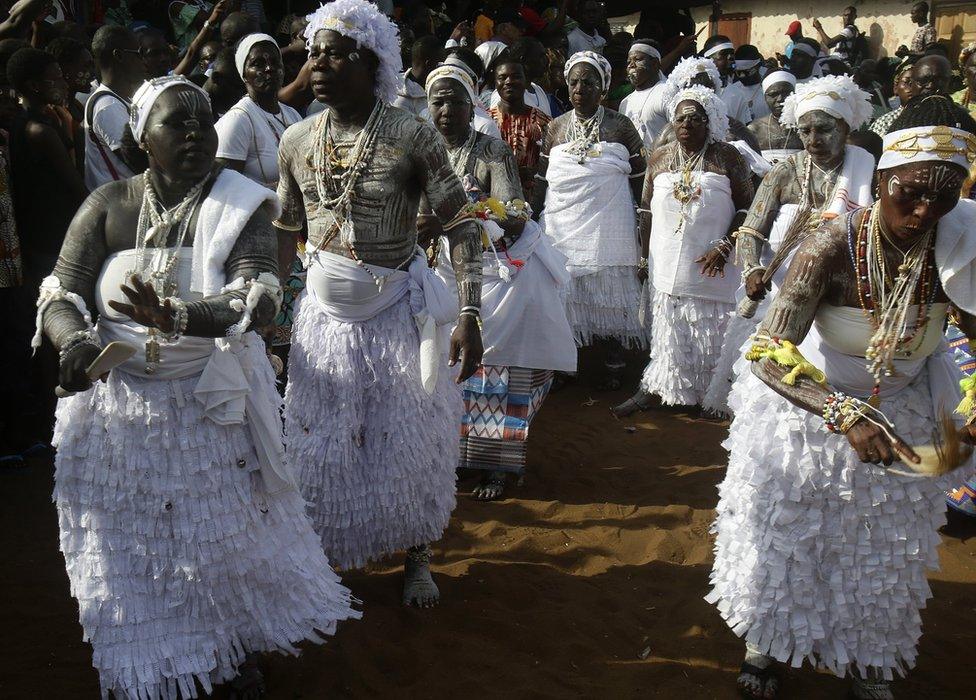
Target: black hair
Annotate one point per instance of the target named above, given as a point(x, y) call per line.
point(236, 26)
point(25, 65)
point(521, 48)
point(748, 52)
point(933, 110)
point(426, 47)
point(469, 58)
point(66, 49)
point(8, 47)
point(649, 42)
point(107, 41)
point(715, 40)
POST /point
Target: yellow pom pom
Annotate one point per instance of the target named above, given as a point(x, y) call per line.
point(496, 208)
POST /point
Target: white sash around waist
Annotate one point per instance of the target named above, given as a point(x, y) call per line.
point(349, 294)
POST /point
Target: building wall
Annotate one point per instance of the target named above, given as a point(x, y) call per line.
point(887, 23)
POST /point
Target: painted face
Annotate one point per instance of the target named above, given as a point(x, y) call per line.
point(337, 64)
point(180, 135)
point(916, 195)
point(51, 86)
point(263, 71)
point(690, 124)
point(510, 82)
point(79, 72)
point(905, 87)
point(823, 136)
point(642, 70)
point(723, 61)
point(776, 96)
point(450, 107)
point(585, 87)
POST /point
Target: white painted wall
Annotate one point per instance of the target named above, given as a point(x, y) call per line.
point(886, 23)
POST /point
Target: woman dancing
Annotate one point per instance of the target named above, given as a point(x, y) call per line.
point(184, 535)
point(821, 552)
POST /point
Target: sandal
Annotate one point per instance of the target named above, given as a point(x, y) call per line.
point(758, 683)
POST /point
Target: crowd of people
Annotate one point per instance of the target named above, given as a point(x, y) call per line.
point(267, 292)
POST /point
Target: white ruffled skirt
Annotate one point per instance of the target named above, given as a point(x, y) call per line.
point(605, 304)
point(181, 563)
point(819, 556)
point(686, 340)
point(737, 334)
point(377, 454)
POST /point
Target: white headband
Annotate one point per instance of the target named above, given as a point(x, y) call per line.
point(594, 59)
point(942, 144)
point(648, 49)
point(804, 48)
point(779, 76)
point(745, 64)
point(146, 96)
point(446, 72)
point(708, 53)
point(248, 43)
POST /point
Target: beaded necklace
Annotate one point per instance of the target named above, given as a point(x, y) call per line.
point(886, 301)
point(584, 134)
point(687, 188)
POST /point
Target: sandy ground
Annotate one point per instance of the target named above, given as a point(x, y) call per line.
point(587, 581)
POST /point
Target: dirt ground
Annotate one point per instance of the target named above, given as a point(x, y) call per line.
point(586, 581)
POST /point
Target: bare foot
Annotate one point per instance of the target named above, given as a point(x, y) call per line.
point(641, 401)
point(871, 689)
point(491, 488)
point(758, 683)
point(249, 684)
point(419, 589)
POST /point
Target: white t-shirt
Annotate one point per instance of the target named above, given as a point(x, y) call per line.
point(578, 40)
point(109, 115)
point(248, 133)
point(745, 102)
point(648, 110)
point(535, 96)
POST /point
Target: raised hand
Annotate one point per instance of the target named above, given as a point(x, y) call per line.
point(146, 309)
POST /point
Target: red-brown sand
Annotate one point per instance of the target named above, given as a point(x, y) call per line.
point(586, 581)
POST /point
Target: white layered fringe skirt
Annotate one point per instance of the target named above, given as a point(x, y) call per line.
point(734, 345)
point(606, 304)
point(817, 555)
point(180, 562)
point(377, 455)
point(686, 341)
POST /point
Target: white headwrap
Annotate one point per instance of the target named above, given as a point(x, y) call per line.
point(803, 47)
point(594, 59)
point(646, 48)
point(943, 144)
point(452, 73)
point(778, 76)
point(726, 46)
point(248, 43)
point(146, 96)
point(688, 68)
point(744, 64)
point(715, 110)
point(837, 95)
point(488, 51)
point(363, 22)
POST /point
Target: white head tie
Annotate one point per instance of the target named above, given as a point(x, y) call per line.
point(744, 64)
point(725, 46)
point(594, 59)
point(943, 144)
point(778, 76)
point(248, 43)
point(837, 95)
point(688, 68)
point(488, 51)
point(715, 110)
point(646, 48)
point(446, 72)
point(363, 22)
point(146, 96)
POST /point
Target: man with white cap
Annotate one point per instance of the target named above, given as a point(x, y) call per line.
point(776, 142)
point(803, 59)
point(371, 411)
point(647, 105)
point(744, 98)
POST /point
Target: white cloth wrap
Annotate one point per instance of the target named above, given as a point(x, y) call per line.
point(838, 96)
point(458, 75)
point(524, 319)
point(778, 76)
point(602, 66)
point(52, 291)
point(248, 43)
point(725, 46)
point(757, 162)
point(646, 49)
point(819, 556)
point(673, 254)
point(146, 96)
point(589, 211)
point(955, 255)
point(777, 155)
point(348, 294)
point(924, 144)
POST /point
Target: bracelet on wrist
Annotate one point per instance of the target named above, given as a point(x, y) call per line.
point(180, 320)
point(74, 340)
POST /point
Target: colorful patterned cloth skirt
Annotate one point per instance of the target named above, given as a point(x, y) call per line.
point(499, 405)
point(962, 498)
point(291, 289)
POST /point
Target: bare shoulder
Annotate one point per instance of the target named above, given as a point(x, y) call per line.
point(493, 149)
point(659, 158)
point(298, 135)
point(828, 244)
